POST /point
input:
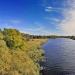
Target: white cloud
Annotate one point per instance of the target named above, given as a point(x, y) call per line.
point(48, 9)
point(6, 25)
point(38, 29)
point(52, 19)
point(67, 26)
point(15, 21)
point(10, 23)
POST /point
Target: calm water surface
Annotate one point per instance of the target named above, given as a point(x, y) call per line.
point(60, 57)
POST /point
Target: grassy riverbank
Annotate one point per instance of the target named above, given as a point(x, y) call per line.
point(19, 56)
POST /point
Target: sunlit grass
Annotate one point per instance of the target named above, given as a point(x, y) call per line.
point(19, 56)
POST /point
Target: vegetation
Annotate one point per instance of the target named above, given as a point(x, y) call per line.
point(46, 36)
point(19, 55)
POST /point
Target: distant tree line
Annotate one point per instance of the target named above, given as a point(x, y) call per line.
point(46, 36)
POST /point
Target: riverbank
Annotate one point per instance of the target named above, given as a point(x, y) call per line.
point(19, 55)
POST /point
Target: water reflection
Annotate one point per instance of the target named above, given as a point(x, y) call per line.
point(60, 57)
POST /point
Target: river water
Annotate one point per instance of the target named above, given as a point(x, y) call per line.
point(60, 57)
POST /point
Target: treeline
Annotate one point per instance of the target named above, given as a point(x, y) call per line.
point(39, 36)
point(18, 56)
point(46, 36)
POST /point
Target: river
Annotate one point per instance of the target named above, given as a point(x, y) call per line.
point(60, 57)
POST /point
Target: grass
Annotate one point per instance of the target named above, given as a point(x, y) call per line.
point(19, 56)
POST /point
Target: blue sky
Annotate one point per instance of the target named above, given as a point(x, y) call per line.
point(36, 16)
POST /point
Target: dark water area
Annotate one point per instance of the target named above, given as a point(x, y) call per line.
point(60, 57)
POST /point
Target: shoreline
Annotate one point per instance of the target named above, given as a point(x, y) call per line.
point(42, 67)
